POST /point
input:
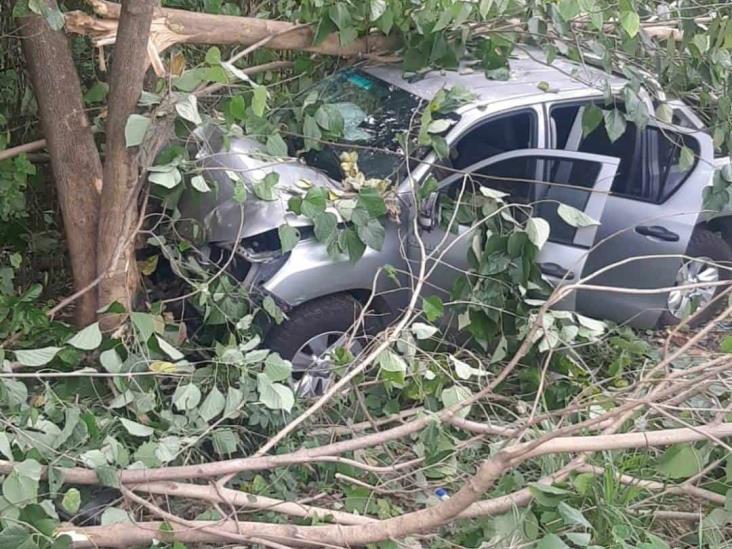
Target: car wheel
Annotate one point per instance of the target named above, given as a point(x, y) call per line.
point(312, 331)
point(710, 261)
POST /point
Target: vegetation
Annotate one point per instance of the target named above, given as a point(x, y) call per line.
point(138, 403)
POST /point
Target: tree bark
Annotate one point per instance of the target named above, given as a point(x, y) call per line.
point(118, 212)
point(77, 169)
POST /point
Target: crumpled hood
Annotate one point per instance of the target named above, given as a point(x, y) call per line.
point(219, 214)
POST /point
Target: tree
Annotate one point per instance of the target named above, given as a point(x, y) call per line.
point(518, 431)
point(76, 165)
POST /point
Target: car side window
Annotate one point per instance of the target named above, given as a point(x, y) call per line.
point(650, 159)
point(499, 134)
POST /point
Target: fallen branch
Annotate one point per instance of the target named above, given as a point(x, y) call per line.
point(174, 26)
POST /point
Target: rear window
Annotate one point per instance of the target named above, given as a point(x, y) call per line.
point(650, 160)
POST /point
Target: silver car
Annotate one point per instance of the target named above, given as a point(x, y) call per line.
point(648, 207)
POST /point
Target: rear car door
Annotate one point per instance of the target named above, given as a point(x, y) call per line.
point(649, 217)
point(540, 177)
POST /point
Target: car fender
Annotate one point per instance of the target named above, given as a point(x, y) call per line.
point(310, 273)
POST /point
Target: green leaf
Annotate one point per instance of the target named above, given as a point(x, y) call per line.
point(432, 307)
point(212, 405)
point(113, 515)
point(259, 100)
point(186, 397)
point(274, 396)
point(568, 9)
point(276, 146)
point(439, 126)
point(87, 339)
point(168, 448)
point(289, 237)
point(591, 118)
point(136, 429)
point(189, 80)
point(271, 308)
point(537, 230)
point(350, 242)
point(144, 323)
point(680, 461)
point(686, 159)
point(453, 395)
point(135, 129)
point(701, 41)
point(423, 331)
point(314, 202)
point(276, 368)
point(572, 516)
point(213, 56)
point(71, 501)
point(266, 188)
point(199, 183)
point(97, 92)
point(579, 538)
point(325, 226)
point(376, 9)
point(392, 362)
point(36, 357)
point(370, 200)
point(224, 442)
point(551, 541)
point(630, 21)
point(187, 108)
point(340, 15)
point(312, 133)
point(614, 124)
point(372, 234)
point(665, 113)
point(29, 468)
point(726, 345)
point(574, 217)
point(5, 446)
point(17, 537)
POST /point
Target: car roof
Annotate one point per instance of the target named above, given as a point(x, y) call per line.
point(528, 69)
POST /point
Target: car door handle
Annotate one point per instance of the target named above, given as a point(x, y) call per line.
point(557, 271)
point(656, 231)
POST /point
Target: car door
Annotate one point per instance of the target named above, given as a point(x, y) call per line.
point(543, 178)
point(649, 216)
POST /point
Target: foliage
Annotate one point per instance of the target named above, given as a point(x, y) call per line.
point(177, 388)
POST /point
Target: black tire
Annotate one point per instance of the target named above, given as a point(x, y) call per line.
point(334, 313)
point(705, 243)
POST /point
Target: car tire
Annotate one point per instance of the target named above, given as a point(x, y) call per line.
point(706, 244)
point(331, 314)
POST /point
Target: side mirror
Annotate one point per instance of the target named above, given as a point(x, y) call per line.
point(429, 211)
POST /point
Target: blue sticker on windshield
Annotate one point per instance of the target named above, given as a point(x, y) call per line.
point(360, 81)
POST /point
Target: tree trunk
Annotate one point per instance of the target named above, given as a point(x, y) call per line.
point(118, 214)
point(75, 161)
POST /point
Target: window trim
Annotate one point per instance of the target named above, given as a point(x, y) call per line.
point(663, 196)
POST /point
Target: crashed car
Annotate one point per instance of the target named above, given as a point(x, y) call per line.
point(651, 233)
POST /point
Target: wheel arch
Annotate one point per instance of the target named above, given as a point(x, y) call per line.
point(721, 225)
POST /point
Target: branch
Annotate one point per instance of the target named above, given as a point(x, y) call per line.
point(24, 148)
point(173, 26)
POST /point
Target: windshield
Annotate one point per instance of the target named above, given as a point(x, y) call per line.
point(374, 114)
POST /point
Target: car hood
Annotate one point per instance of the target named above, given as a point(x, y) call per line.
point(215, 216)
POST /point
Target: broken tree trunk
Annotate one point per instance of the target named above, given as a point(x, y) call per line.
point(118, 214)
point(77, 169)
point(173, 26)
